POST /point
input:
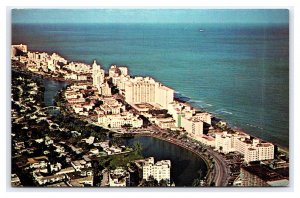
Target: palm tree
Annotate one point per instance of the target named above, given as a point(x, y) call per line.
point(197, 181)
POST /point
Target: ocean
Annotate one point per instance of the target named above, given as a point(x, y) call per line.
point(238, 72)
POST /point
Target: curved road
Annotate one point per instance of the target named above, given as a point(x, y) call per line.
point(220, 173)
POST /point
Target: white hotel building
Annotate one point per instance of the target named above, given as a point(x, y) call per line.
point(146, 90)
point(98, 75)
point(119, 120)
point(159, 171)
point(252, 149)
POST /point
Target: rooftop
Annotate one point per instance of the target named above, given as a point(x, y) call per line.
point(263, 172)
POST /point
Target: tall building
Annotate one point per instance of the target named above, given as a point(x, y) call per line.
point(223, 142)
point(146, 90)
point(105, 89)
point(193, 126)
point(159, 170)
point(98, 75)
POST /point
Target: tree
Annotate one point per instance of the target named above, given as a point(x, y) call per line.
point(197, 181)
point(221, 148)
point(151, 182)
point(163, 183)
point(137, 147)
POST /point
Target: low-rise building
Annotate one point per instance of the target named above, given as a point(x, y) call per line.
point(15, 180)
point(253, 149)
point(259, 175)
point(79, 164)
point(65, 171)
point(119, 177)
point(165, 123)
point(42, 180)
point(118, 121)
point(207, 140)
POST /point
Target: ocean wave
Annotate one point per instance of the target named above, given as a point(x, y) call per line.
point(197, 101)
point(228, 112)
point(200, 103)
point(220, 111)
point(254, 126)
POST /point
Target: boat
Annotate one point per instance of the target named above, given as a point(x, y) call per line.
point(201, 30)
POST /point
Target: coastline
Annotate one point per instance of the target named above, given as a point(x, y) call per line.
point(217, 174)
point(237, 129)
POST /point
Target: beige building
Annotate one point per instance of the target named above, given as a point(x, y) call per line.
point(159, 170)
point(204, 117)
point(116, 71)
point(164, 123)
point(223, 142)
point(119, 178)
point(193, 127)
point(146, 90)
point(105, 89)
point(119, 120)
point(252, 149)
point(97, 75)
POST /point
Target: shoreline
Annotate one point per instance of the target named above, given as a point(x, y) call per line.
point(238, 129)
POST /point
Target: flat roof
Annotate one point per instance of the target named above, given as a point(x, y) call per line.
point(263, 172)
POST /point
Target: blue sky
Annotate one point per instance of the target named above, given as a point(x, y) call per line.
point(149, 16)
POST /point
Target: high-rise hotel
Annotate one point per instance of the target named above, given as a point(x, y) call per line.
point(98, 75)
point(146, 90)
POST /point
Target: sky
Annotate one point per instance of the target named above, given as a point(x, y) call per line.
point(150, 16)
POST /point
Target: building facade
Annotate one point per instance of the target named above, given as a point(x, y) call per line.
point(159, 170)
point(118, 121)
point(146, 90)
point(97, 75)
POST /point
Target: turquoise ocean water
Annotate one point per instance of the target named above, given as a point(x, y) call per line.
point(238, 72)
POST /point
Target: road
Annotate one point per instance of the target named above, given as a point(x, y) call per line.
point(221, 173)
point(221, 169)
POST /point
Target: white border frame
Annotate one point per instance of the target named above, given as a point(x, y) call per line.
point(205, 4)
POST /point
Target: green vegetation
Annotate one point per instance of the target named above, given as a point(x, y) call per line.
point(151, 182)
point(137, 147)
point(197, 181)
point(73, 123)
point(121, 160)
